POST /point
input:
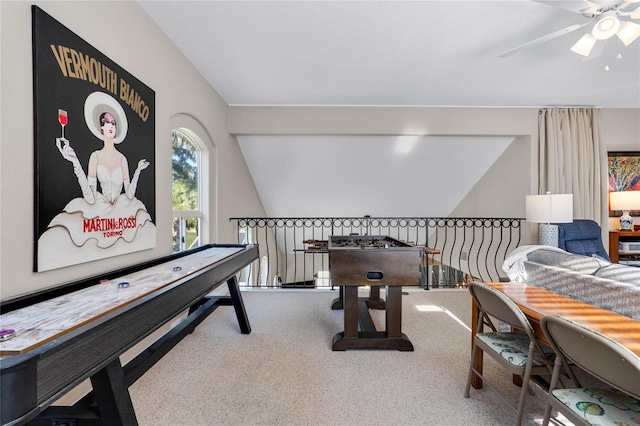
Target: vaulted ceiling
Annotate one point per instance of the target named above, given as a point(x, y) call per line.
point(432, 53)
point(390, 53)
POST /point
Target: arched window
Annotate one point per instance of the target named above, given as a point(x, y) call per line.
point(186, 190)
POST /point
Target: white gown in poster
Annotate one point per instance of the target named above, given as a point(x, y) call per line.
point(105, 222)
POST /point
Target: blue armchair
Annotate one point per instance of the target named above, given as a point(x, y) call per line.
point(583, 237)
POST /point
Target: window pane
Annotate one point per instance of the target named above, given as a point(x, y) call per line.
point(192, 230)
point(185, 191)
point(177, 234)
point(184, 175)
point(186, 233)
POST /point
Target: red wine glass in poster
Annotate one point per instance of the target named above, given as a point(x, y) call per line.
point(62, 119)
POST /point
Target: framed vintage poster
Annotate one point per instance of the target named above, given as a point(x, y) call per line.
point(94, 152)
point(623, 171)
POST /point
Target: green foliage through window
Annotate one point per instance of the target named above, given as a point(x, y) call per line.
point(185, 160)
point(184, 188)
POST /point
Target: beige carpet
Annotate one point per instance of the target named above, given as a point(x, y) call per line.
point(285, 373)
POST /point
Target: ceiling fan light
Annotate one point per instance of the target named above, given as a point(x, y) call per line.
point(628, 32)
point(584, 45)
point(606, 27)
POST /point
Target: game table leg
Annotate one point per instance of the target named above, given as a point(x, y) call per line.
point(350, 312)
point(112, 396)
point(359, 329)
point(238, 305)
point(393, 313)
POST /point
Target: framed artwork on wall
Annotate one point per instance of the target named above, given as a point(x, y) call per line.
point(623, 174)
point(94, 142)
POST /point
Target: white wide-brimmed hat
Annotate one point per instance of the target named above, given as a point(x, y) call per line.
point(95, 105)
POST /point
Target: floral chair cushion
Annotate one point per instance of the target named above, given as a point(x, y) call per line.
point(601, 406)
point(514, 347)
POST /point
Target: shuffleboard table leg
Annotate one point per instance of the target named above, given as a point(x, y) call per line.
point(112, 396)
point(238, 305)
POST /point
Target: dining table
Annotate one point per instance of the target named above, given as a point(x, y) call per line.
point(536, 302)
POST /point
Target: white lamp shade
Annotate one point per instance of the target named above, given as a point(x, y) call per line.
point(584, 45)
point(624, 200)
point(549, 208)
point(628, 32)
point(606, 27)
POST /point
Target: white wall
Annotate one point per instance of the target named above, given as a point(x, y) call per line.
point(621, 132)
point(511, 176)
point(123, 32)
point(499, 193)
point(376, 175)
point(620, 129)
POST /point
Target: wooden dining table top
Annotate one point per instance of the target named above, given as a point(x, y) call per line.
point(535, 302)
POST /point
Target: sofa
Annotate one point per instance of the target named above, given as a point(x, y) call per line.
point(589, 279)
point(582, 236)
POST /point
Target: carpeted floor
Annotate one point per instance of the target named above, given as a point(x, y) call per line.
point(285, 373)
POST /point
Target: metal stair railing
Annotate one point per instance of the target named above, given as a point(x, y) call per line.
point(466, 247)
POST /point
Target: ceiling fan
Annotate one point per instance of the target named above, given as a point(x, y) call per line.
point(608, 20)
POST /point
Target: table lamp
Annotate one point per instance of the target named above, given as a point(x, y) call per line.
point(547, 209)
point(625, 201)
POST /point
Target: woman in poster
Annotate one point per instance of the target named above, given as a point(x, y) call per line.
point(111, 217)
point(107, 165)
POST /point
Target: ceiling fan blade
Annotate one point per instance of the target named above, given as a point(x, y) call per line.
point(544, 39)
point(577, 6)
point(633, 14)
point(627, 3)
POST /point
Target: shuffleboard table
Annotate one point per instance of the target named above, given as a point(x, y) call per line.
point(78, 330)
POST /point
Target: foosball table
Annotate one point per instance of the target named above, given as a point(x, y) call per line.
point(375, 261)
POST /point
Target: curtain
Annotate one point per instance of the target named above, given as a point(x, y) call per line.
point(572, 159)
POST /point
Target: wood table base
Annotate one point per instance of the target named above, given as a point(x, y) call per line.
point(371, 340)
point(359, 329)
point(374, 301)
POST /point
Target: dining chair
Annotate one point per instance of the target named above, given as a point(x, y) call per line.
point(518, 351)
point(617, 402)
